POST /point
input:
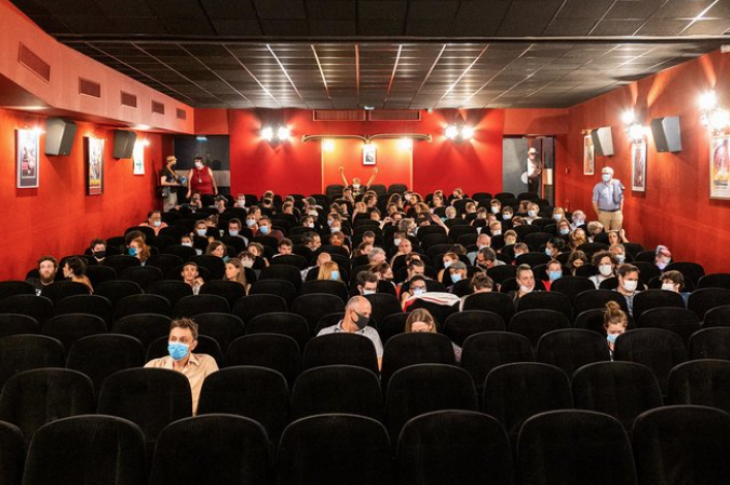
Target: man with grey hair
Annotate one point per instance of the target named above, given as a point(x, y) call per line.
point(357, 316)
point(376, 256)
point(608, 200)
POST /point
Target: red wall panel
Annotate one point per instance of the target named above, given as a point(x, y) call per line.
point(58, 217)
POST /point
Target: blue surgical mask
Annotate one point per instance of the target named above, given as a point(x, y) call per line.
point(611, 338)
point(250, 222)
point(620, 258)
point(661, 265)
point(201, 232)
point(418, 291)
point(554, 275)
point(226, 259)
point(447, 264)
point(369, 292)
point(557, 217)
point(548, 252)
point(456, 277)
point(133, 251)
point(506, 217)
point(606, 177)
point(157, 223)
point(233, 232)
point(178, 350)
point(264, 229)
point(531, 213)
point(335, 275)
point(564, 232)
point(334, 229)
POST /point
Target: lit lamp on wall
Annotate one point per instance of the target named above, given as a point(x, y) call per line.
point(634, 130)
point(459, 133)
point(278, 133)
point(713, 117)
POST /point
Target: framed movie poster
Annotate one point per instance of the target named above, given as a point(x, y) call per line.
point(638, 166)
point(138, 158)
point(720, 167)
point(589, 155)
point(95, 166)
point(368, 154)
point(26, 159)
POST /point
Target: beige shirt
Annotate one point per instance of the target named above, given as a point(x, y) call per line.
point(199, 367)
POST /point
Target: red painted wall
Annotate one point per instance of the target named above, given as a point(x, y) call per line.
point(58, 218)
point(676, 209)
point(297, 167)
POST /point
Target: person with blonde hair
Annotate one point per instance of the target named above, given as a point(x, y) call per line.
point(236, 272)
point(421, 320)
point(330, 271)
point(615, 322)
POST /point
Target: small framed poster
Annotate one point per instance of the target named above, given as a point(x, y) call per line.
point(26, 159)
point(138, 158)
point(720, 167)
point(369, 152)
point(589, 155)
point(94, 166)
point(638, 166)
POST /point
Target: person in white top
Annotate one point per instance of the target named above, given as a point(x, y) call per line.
point(606, 264)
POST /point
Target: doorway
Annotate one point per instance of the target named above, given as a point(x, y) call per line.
point(521, 174)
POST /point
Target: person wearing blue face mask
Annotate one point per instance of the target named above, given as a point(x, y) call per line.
point(154, 220)
point(564, 228)
point(553, 271)
point(265, 229)
point(329, 271)
point(608, 200)
point(412, 290)
point(554, 247)
point(181, 342)
point(457, 272)
point(615, 322)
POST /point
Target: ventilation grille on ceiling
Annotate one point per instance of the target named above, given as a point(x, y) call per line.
point(182, 114)
point(158, 107)
point(339, 115)
point(30, 60)
point(129, 100)
point(395, 115)
point(89, 88)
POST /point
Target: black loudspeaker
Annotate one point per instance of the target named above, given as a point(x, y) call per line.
point(60, 135)
point(667, 135)
point(124, 143)
point(603, 141)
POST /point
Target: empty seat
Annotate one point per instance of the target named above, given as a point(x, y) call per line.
point(702, 301)
point(463, 447)
point(337, 389)
point(150, 398)
point(715, 280)
point(87, 449)
point(212, 450)
point(120, 262)
point(658, 349)
point(650, 299)
point(17, 324)
point(533, 324)
point(189, 306)
point(230, 290)
point(514, 392)
point(716, 317)
point(572, 286)
point(682, 445)
point(572, 348)
point(572, 446)
point(254, 392)
point(383, 305)
point(61, 289)
point(99, 356)
point(282, 323)
point(38, 307)
point(12, 288)
point(70, 327)
point(282, 272)
point(223, 327)
point(415, 348)
point(592, 320)
point(172, 290)
point(251, 306)
point(710, 343)
point(13, 454)
point(423, 388)
point(115, 290)
point(19, 353)
point(145, 327)
point(142, 275)
point(334, 449)
point(33, 398)
point(621, 389)
point(137, 304)
point(681, 321)
point(485, 351)
point(460, 326)
point(314, 306)
point(280, 288)
point(325, 287)
point(277, 352)
point(90, 304)
point(340, 348)
point(544, 300)
point(392, 325)
point(588, 300)
point(701, 382)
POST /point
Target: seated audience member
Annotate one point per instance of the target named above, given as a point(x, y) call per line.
point(619, 252)
point(663, 257)
point(415, 267)
point(383, 271)
point(187, 241)
point(484, 240)
point(448, 259)
point(286, 247)
point(312, 240)
point(594, 228)
point(615, 322)
point(339, 240)
point(217, 248)
point(577, 239)
point(47, 268)
point(510, 238)
point(533, 212)
point(578, 219)
point(507, 213)
point(211, 222)
point(154, 220)
point(139, 250)
point(309, 222)
point(236, 272)
point(525, 281)
point(480, 283)
point(240, 202)
point(220, 203)
point(367, 283)
point(554, 247)
point(576, 260)
point(97, 249)
point(363, 249)
point(248, 259)
point(617, 237)
point(265, 229)
point(559, 215)
point(329, 271)
point(674, 281)
point(75, 270)
point(191, 276)
point(606, 264)
point(356, 319)
point(457, 272)
point(553, 271)
point(520, 249)
point(495, 206)
point(257, 249)
point(404, 248)
point(368, 237)
point(252, 222)
point(628, 282)
point(183, 339)
point(376, 256)
point(421, 320)
point(201, 228)
point(234, 229)
point(416, 287)
point(564, 228)
point(495, 228)
point(195, 204)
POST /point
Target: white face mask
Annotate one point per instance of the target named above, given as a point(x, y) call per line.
point(247, 263)
point(605, 269)
point(396, 242)
point(496, 233)
point(525, 289)
point(630, 286)
point(241, 202)
point(198, 165)
point(668, 286)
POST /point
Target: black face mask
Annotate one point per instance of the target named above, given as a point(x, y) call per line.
point(362, 320)
point(100, 254)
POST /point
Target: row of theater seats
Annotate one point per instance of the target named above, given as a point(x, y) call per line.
point(440, 437)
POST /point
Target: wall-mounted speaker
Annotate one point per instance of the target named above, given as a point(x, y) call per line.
point(60, 135)
point(124, 143)
point(603, 141)
point(667, 135)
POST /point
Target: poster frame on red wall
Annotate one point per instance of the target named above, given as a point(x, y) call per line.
point(94, 166)
point(27, 158)
point(719, 181)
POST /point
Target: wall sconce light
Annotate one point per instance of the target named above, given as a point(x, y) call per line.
point(713, 116)
point(328, 145)
point(278, 133)
point(405, 144)
point(459, 133)
point(633, 129)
